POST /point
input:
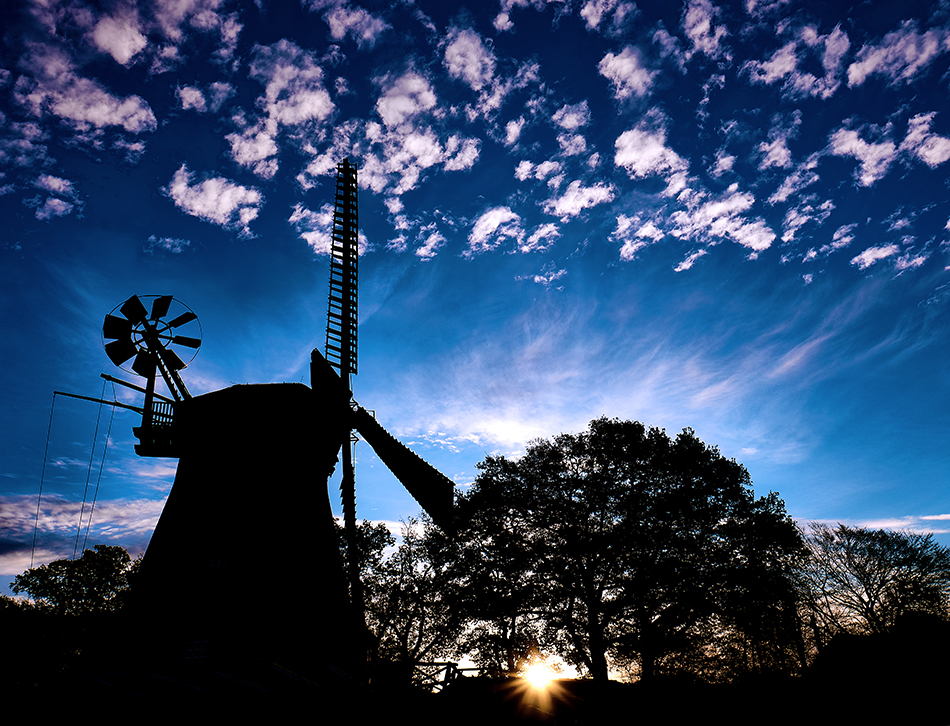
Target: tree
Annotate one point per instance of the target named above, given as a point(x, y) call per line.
point(862, 580)
point(406, 591)
point(494, 570)
point(628, 545)
point(411, 610)
point(95, 582)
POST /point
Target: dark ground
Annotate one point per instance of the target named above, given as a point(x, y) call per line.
point(53, 668)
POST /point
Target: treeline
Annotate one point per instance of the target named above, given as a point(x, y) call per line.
point(627, 552)
point(620, 550)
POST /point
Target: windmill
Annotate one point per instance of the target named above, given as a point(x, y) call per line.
point(250, 496)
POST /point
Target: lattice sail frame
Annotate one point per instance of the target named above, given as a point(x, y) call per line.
point(342, 313)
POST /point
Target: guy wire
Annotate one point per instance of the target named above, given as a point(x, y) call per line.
point(92, 454)
point(102, 462)
point(39, 498)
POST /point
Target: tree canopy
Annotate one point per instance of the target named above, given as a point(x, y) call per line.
point(95, 582)
point(408, 605)
point(621, 543)
point(863, 580)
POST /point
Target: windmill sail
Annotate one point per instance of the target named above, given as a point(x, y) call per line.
point(434, 491)
point(342, 314)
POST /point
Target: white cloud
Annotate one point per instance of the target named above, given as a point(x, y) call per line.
point(542, 238)
point(467, 58)
point(21, 144)
point(398, 244)
point(634, 235)
point(910, 262)
point(59, 90)
point(120, 37)
point(205, 16)
point(255, 149)
point(875, 159)
point(803, 177)
point(775, 153)
point(316, 229)
point(690, 260)
point(460, 153)
point(842, 237)
point(572, 117)
point(513, 131)
point(434, 241)
point(595, 12)
point(167, 244)
point(219, 92)
point(930, 148)
point(293, 83)
point(548, 276)
point(874, 254)
point(54, 207)
point(294, 94)
point(545, 170)
point(55, 185)
point(215, 200)
point(798, 217)
point(786, 64)
point(643, 152)
point(356, 22)
point(723, 218)
point(900, 55)
point(577, 198)
point(724, 163)
point(698, 24)
point(492, 228)
point(572, 144)
point(781, 64)
point(191, 97)
point(393, 160)
point(404, 98)
point(626, 74)
point(760, 9)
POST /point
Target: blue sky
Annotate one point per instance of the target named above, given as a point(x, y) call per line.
point(724, 216)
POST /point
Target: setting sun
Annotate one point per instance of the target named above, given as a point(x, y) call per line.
point(539, 675)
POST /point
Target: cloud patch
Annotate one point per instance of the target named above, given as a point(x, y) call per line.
point(643, 153)
point(468, 59)
point(577, 197)
point(874, 158)
point(57, 89)
point(216, 200)
point(900, 56)
point(492, 228)
point(627, 74)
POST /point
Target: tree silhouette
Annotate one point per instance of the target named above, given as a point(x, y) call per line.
point(95, 582)
point(406, 591)
point(624, 544)
point(863, 580)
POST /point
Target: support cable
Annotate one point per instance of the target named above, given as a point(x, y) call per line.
point(39, 498)
point(102, 463)
point(92, 455)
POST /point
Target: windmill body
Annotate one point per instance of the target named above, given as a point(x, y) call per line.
point(244, 562)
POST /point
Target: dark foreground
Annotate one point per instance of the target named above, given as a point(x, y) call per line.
point(84, 669)
point(271, 694)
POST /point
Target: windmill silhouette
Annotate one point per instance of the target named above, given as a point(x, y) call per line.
point(249, 502)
